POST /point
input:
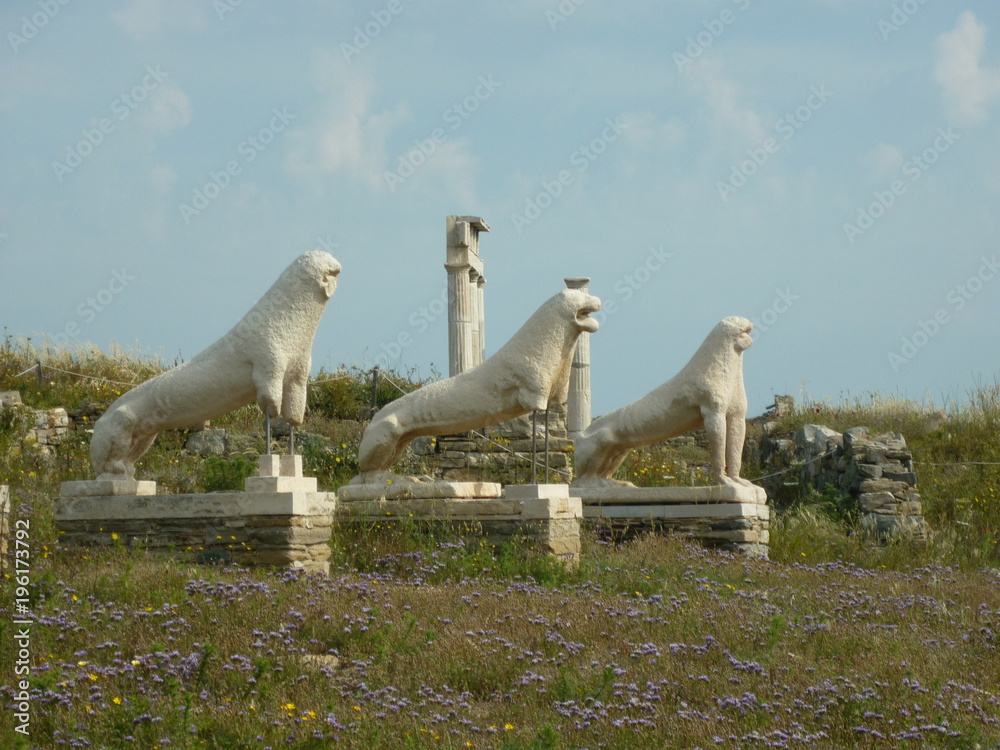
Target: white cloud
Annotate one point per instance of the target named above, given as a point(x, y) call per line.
point(348, 136)
point(162, 178)
point(169, 108)
point(883, 161)
point(967, 87)
point(644, 131)
point(141, 19)
point(450, 170)
point(726, 113)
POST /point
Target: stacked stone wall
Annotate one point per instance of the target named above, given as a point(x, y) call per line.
point(874, 473)
point(504, 454)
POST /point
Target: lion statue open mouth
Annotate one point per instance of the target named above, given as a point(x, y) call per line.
point(530, 372)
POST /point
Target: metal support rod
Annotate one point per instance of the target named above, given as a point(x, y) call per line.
point(291, 441)
point(546, 445)
point(534, 447)
point(375, 372)
point(39, 374)
point(267, 424)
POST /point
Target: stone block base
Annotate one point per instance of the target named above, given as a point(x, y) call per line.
point(107, 487)
point(543, 516)
point(287, 525)
point(722, 517)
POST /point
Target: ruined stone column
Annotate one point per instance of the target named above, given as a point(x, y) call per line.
point(480, 283)
point(477, 318)
point(465, 317)
point(459, 319)
point(578, 401)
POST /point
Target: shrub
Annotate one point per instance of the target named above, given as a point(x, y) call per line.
point(223, 475)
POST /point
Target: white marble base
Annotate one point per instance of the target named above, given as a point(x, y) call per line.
point(107, 488)
point(413, 490)
point(720, 493)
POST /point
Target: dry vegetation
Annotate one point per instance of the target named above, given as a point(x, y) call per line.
point(424, 639)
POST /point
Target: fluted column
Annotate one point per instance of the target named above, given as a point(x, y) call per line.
point(481, 344)
point(578, 401)
point(465, 301)
point(459, 319)
point(477, 317)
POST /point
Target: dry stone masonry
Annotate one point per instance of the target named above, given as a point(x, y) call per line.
point(501, 451)
point(50, 426)
point(542, 517)
point(725, 517)
point(875, 472)
point(45, 427)
point(278, 520)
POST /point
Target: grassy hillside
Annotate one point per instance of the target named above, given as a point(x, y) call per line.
point(428, 639)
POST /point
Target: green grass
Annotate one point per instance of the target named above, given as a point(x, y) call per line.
point(437, 647)
point(433, 638)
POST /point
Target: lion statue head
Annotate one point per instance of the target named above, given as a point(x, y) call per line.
point(738, 329)
point(322, 267)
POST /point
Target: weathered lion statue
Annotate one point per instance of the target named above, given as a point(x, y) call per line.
point(530, 372)
point(265, 358)
point(707, 392)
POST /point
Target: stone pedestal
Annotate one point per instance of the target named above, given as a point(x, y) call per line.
point(278, 520)
point(545, 517)
point(735, 518)
point(107, 488)
point(550, 517)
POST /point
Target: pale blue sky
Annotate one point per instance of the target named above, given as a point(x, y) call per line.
point(742, 149)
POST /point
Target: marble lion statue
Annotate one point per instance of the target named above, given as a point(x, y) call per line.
point(707, 392)
point(265, 358)
point(530, 372)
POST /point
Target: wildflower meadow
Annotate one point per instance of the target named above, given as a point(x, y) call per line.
point(428, 638)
